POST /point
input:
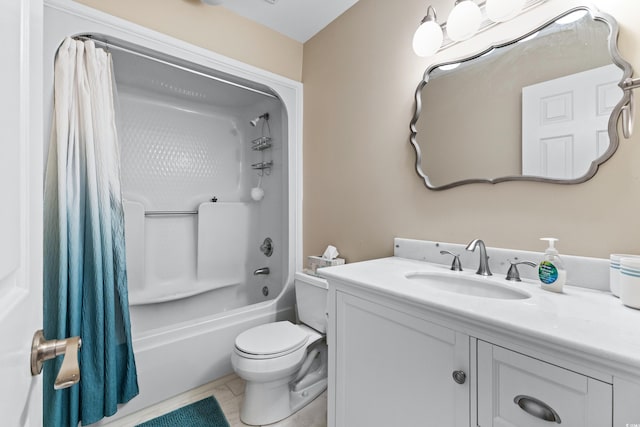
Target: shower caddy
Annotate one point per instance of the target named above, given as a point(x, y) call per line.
point(261, 144)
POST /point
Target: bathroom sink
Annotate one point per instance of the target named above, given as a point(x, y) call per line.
point(478, 287)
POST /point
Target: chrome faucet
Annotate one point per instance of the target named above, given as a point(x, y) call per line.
point(263, 270)
point(483, 269)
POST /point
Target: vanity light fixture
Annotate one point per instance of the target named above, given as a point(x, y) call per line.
point(429, 36)
point(466, 19)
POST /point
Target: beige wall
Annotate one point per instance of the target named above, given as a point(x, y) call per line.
point(360, 187)
point(213, 28)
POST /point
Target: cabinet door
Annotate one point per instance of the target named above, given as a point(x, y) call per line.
point(519, 391)
point(394, 369)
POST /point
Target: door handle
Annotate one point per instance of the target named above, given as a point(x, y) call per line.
point(42, 350)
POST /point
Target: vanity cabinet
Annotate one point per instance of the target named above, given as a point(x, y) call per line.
point(394, 367)
point(398, 328)
point(521, 391)
point(394, 364)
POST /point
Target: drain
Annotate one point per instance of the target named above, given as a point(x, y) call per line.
point(265, 291)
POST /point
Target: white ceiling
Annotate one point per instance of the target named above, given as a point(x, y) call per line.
point(297, 19)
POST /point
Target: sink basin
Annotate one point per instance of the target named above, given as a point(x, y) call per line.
point(466, 285)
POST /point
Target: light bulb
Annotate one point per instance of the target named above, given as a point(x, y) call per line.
point(427, 39)
point(503, 10)
point(464, 20)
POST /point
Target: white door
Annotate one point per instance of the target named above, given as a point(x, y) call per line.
point(20, 212)
point(564, 122)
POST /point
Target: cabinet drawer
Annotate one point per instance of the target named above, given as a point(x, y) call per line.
point(519, 391)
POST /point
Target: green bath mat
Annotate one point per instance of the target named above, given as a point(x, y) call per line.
point(204, 413)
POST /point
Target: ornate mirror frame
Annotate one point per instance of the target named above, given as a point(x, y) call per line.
point(612, 123)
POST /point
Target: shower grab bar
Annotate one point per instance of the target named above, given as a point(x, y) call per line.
point(163, 213)
point(111, 44)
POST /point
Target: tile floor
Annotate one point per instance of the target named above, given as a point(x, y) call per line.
point(228, 391)
point(229, 395)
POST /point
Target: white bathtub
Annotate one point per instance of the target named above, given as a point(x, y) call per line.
point(181, 357)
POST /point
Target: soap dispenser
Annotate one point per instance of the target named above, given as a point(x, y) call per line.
point(551, 270)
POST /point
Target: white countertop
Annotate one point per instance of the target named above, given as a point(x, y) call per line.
point(590, 325)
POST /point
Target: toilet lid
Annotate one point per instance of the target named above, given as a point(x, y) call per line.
point(271, 338)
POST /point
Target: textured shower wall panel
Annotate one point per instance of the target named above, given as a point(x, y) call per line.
point(174, 157)
point(177, 154)
point(270, 214)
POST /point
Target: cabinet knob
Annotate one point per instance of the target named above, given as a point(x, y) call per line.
point(459, 376)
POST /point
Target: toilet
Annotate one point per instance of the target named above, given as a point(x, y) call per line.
point(284, 364)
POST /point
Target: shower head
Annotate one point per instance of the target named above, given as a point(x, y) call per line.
point(255, 121)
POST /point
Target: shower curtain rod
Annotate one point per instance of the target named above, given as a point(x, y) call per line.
point(111, 45)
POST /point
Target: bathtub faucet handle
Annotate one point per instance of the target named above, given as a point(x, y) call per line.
point(263, 270)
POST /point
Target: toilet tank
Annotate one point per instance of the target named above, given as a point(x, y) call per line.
point(311, 299)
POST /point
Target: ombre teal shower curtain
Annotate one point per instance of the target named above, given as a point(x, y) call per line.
point(85, 281)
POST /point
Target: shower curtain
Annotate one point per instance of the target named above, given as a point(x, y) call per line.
point(85, 282)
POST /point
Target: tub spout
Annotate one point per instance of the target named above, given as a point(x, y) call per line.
point(263, 270)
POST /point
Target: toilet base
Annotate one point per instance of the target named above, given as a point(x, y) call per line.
point(265, 403)
point(300, 399)
point(269, 402)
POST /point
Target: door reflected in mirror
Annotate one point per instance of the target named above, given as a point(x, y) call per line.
point(543, 107)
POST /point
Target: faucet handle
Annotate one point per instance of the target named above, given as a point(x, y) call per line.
point(513, 274)
point(455, 265)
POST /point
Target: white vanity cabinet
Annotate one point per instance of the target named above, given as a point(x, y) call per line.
point(515, 390)
point(393, 367)
point(397, 365)
point(395, 343)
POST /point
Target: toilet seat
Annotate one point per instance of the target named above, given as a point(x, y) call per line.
point(271, 340)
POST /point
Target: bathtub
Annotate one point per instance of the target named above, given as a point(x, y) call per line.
point(181, 357)
point(184, 339)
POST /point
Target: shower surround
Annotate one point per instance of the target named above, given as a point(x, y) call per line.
point(193, 232)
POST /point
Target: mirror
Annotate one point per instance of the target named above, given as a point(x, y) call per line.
point(542, 107)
